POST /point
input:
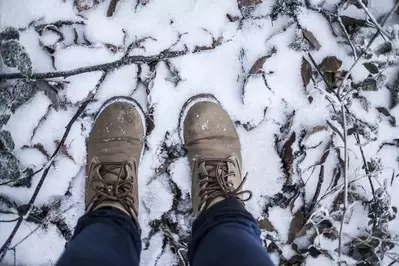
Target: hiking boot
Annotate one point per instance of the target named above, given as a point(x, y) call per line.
point(114, 149)
point(214, 152)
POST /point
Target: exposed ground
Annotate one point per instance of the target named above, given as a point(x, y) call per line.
point(312, 86)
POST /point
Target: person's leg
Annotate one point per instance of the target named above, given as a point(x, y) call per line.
point(104, 237)
point(108, 233)
point(226, 234)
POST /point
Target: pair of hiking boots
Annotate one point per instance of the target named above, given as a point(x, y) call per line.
point(116, 144)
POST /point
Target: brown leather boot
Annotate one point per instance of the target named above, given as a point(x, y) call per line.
point(214, 152)
point(114, 149)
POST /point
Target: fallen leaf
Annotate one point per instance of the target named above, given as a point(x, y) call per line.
point(309, 36)
point(232, 18)
point(257, 67)
point(287, 156)
point(369, 84)
point(249, 2)
point(295, 226)
point(64, 150)
point(351, 22)
point(383, 48)
point(39, 147)
point(112, 7)
point(306, 72)
point(83, 5)
point(330, 64)
point(372, 68)
point(51, 92)
point(265, 224)
point(385, 112)
point(314, 130)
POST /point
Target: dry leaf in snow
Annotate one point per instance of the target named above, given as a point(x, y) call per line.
point(306, 72)
point(330, 64)
point(83, 5)
point(311, 39)
point(287, 155)
point(385, 112)
point(232, 18)
point(112, 7)
point(372, 68)
point(249, 2)
point(265, 224)
point(257, 67)
point(296, 225)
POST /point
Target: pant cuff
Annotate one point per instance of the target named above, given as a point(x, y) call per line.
point(229, 210)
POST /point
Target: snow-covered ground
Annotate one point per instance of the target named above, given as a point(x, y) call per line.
point(262, 60)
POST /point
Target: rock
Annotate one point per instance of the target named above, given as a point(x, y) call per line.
point(6, 141)
point(9, 166)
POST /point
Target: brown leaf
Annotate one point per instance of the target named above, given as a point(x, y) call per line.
point(296, 225)
point(113, 48)
point(306, 72)
point(64, 150)
point(311, 39)
point(83, 5)
point(287, 156)
point(39, 147)
point(232, 18)
point(330, 64)
point(385, 112)
point(265, 224)
point(351, 22)
point(257, 67)
point(249, 2)
point(112, 7)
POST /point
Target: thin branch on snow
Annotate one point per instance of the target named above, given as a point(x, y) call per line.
point(5, 247)
point(135, 59)
point(375, 22)
point(346, 33)
point(363, 52)
point(345, 135)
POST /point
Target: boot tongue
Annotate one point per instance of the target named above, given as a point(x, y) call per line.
point(214, 171)
point(110, 174)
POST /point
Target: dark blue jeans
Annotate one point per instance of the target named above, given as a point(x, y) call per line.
point(225, 234)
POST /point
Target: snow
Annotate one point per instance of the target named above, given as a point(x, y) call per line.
point(274, 102)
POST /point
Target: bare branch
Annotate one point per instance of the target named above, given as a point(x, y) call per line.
point(347, 35)
point(375, 22)
point(5, 247)
point(135, 59)
point(365, 50)
point(345, 135)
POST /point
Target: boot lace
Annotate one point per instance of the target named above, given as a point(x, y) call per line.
point(111, 189)
point(217, 184)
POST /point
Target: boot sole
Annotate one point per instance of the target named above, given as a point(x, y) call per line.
point(138, 108)
point(204, 97)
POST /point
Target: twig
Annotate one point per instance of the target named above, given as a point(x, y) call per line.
point(345, 135)
point(135, 59)
point(318, 189)
point(363, 52)
point(319, 72)
point(347, 36)
point(137, 44)
point(375, 22)
point(7, 243)
point(9, 221)
point(366, 168)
